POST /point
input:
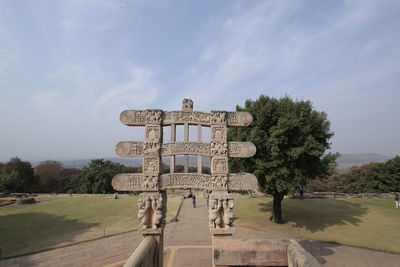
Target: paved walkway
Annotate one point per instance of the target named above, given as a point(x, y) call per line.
point(188, 243)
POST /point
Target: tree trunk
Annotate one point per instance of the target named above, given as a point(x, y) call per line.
point(277, 208)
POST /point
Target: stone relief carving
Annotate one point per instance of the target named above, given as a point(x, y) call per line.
point(218, 117)
point(242, 181)
point(239, 119)
point(151, 148)
point(241, 149)
point(153, 116)
point(150, 181)
point(193, 180)
point(143, 117)
point(181, 117)
point(151, 165)
point(187, 104)
point(153, 133)
point(219, 149)
point(151, 210)
point(220, 211)
point(140, 149)
point(218, 133)
point(145, 182)
point(186, 148)
point(129, 149)
point(219, 165)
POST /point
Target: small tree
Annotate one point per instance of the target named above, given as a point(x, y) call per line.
point(16, 176)
point(49, 175)
point(291, 140)
point(96, 178)
point(380, 178)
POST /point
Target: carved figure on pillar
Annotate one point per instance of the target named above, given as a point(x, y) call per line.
point(228, 205)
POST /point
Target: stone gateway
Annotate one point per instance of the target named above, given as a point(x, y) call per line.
point(152, 201)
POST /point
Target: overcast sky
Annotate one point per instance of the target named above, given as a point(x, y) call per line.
point(68, 68)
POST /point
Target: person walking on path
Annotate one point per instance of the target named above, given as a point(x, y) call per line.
point(194, 200)
point(396, 198)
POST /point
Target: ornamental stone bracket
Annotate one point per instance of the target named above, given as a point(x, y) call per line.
point(153, 184)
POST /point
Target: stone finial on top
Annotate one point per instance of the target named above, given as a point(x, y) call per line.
point(187, 104)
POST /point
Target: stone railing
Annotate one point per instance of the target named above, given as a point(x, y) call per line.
point(145, 255)
point(261, 252)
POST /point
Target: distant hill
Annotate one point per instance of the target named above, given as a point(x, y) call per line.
point(361, 158)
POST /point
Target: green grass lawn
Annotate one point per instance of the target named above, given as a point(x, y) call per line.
point(61, 220)
point(367, 223)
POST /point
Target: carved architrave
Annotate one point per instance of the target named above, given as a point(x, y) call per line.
point(151, 211)
point(129, 149)
point(218, 133)
point(140, 149)
point(182, 117)
point(193, 180)
point(143, 117)
point(241, 149)
point(135, 182)
point(239, 119)
point(179, 148)
point(220, 210)
point(242, 181)
point(151, 165)
point(219, 165)
point(146, 182)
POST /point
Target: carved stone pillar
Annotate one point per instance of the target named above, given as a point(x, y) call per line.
point(221, 203)
point(152, 203)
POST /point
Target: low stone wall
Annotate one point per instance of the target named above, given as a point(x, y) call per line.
point(261, 252)
point(344, 195)
point(145, 255)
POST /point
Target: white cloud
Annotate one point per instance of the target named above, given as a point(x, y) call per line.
point(139, 91)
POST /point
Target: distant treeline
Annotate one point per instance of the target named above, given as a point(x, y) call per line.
point(51, 177)
point(378, 177)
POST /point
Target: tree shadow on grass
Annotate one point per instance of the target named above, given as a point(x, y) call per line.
point(37, 231)
point(317, 214)
point(319, 249)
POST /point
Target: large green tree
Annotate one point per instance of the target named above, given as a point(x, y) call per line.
point(291, 139)
point(96, 178)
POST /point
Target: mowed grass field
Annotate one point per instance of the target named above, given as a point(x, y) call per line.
point(61, 220)
point(367, 223)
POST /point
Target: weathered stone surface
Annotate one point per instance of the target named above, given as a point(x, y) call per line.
point(298, 257)
point(143, 117)
point(179, 148)
point(242, 181)
point(141, 149)
point(219, 165)
point(242, 252)
point(241, 149)
point(142, 182)
point(193, 180)
point(145, 255)
point(135, 182)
